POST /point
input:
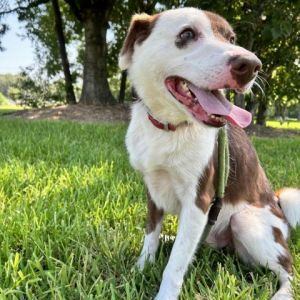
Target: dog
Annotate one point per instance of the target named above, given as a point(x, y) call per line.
point(179, 61)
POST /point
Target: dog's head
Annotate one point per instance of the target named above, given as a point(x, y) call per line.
point(180, 60)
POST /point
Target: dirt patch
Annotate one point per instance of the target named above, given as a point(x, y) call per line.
point(117, 112)
point(83, 113)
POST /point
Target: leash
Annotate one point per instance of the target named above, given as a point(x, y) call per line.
point(223, 172)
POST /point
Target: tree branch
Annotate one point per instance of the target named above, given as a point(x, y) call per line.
point(23, 8)
point(75, 10)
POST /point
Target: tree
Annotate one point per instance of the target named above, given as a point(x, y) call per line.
point(3, 26)
point(39, 16)
point(94, 17)
point(120, 18)
point(63, 52)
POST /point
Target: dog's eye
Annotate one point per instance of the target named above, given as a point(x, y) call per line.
point(187, 34)
point(232, 39)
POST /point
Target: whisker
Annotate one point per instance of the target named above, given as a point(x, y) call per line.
point(262, 82)
point(263, 79)
point(262, 91)
point(259, 80)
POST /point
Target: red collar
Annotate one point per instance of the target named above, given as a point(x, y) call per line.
point(164, 126)
point(160, 125)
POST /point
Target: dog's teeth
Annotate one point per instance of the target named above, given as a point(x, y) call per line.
point(184, 86)
point(220, 119)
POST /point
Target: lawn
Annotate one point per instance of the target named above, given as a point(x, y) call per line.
point(72, 213)
point(7, 108)
point(292, 124)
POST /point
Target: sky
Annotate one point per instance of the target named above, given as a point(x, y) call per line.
point(19, 52)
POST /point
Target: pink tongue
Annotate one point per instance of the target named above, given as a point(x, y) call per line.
point(221, 106)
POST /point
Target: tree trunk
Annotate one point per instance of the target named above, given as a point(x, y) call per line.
point(251, 104)
point(279, 110)
point(95, 88)
point(63, 53)
point(261, 114)
point(122, 86)
point(239, 100)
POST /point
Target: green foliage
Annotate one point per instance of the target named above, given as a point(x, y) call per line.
point(3, 26)
point(39, 24)
point(73, 212)
point(285, 88)
point(3, 99)
point(6, 81)
point(36, 91)
point(270, 28)
point(114, 83)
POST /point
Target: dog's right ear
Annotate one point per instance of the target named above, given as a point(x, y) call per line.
point(140, 28)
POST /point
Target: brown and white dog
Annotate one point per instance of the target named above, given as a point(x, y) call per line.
point(179, 61)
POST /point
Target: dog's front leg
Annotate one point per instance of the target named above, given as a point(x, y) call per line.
point(153, 228)
point(191, 226)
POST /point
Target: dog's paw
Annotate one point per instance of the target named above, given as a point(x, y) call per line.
point(143, 259)
point(282, 296)
point(163, 296)
point(167, 291)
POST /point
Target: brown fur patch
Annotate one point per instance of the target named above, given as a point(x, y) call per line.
point(140, 28)
point(247, 180)
point(206, 189)
point(275, 210)
point(284, 260)
point(221, 28)
point(154, 215)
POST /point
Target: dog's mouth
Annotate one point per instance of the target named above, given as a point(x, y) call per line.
point(207, 106)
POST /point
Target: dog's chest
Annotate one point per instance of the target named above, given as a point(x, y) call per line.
point(171, 162)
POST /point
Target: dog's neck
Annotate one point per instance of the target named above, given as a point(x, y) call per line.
point(163, 116)
point(164, 125)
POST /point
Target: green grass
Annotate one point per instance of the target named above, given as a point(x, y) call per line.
point(284, 125)
point(72, 212)
point(7, 108)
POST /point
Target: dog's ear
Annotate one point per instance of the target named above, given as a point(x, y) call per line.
point(139, 29)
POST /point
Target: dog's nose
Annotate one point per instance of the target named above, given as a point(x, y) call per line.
point(243, 69)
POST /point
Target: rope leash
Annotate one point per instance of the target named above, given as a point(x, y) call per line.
point(223, 172)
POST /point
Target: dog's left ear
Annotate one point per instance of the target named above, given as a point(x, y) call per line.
point(140, 28)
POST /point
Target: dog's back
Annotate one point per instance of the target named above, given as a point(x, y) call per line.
point(179, 62)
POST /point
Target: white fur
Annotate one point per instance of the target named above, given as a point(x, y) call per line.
point(223, 222)
point(151, 243)
point(252, 230)
point(172, 176)
point(191, 226)
point(289, 200)
point(204, 63)
point(173, 162)
point(164, 158)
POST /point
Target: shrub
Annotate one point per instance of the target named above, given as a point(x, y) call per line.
point(37, 92)
point(3, 99)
